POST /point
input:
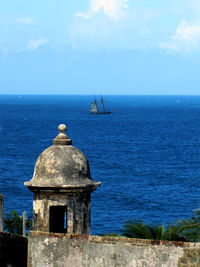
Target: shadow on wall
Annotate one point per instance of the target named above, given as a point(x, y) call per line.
point(13, 250)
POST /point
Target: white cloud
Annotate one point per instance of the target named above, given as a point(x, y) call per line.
point(112, 24)
point(188, 33)
point(113, 9)
point(26, 21)
point(185, 39)
point(35, 44)
point(123, 24)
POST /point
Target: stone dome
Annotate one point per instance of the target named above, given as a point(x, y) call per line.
point(62, 166)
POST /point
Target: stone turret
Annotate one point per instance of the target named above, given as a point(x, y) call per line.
point(62, 186)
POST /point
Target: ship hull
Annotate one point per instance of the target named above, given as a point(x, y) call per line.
point(100, 113)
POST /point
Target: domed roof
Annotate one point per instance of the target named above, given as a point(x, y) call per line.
point(62, 166)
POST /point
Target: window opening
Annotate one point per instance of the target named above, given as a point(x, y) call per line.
point(58, 219)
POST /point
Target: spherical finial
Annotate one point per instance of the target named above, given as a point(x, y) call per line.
point(62, 138)
point(62, 128)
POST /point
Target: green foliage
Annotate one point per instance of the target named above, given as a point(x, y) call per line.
point(187, 230)
point(190, 228)
point(174, 233)
point(136, 229)
point(13, 223)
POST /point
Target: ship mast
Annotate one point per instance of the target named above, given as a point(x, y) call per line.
point(102, 104)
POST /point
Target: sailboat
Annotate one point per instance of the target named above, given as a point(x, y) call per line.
point(95, 110)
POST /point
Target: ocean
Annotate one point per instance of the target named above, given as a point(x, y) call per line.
point(146, 153)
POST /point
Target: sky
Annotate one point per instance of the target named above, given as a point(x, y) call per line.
point(100, 46)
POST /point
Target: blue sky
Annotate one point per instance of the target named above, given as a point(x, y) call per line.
point(101, 46)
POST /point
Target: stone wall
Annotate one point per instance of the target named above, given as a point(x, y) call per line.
point(60, 250)
point(13, 250)
point(77, 205)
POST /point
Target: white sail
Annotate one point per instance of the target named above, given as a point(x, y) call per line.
point(94, 108)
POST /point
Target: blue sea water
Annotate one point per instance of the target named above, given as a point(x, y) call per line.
point(146, 154)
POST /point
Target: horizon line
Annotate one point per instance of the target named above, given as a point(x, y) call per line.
point(99, 94)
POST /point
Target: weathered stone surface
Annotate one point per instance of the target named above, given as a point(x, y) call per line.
point(190, 258)
point(55, 250)
point(62, 167)
point(62, 186)
point(78, 210)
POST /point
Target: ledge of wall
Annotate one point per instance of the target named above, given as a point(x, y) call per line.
point(52, 249)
